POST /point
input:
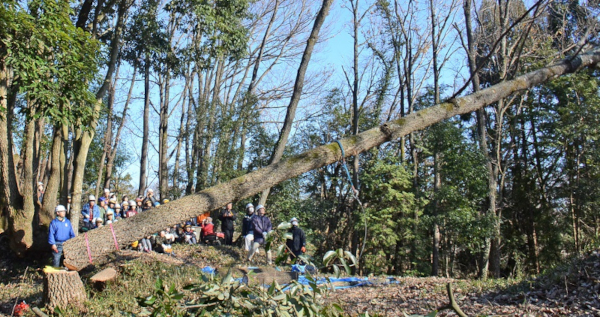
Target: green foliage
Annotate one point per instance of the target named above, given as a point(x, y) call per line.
point(339, 258)
point(163, 301)
point(214, 297)
point(53, 61)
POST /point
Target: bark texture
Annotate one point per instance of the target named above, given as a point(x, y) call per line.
point(63, 288)
point(131, 229)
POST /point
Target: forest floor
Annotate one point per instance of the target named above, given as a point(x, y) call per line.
point(569, 290)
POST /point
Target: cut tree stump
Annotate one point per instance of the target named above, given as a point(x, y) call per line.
point(62, 289)
point(101, 278)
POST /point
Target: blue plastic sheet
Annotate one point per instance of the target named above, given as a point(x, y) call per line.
point(350, 282)
point(208, 270)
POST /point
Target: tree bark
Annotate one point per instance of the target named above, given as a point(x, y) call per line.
point(62, 289)
point(297, 93)
point(53, 185)
point(128, 230)
point(84, 138)
point(144, 157)
point(113, 149)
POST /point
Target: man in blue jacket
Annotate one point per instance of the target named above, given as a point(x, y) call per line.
point(90, 212)
point(60, 231)
point(261, 226)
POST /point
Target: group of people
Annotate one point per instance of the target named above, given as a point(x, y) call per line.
point(108, 210)
point(256, 227)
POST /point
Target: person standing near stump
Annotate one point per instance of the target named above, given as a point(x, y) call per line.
point(227, 218)
point(60, 231)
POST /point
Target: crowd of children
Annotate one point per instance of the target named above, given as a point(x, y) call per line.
point(107, 210)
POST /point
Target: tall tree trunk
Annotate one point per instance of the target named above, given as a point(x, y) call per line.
point(112, 155)
point(145, 136)
point(437, 185)
point(53, 185)
point(106, 145)
point(163, 179)
point(10, 200)
point(297, 93)
point(84, 138)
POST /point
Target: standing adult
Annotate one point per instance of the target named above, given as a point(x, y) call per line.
point(297, 245)
point(69, 205)
point(149, 198)
point(227, 218)
point(105, 197)
point(261, 226)
point(40, 194)
point(247, 232)
point(60, 231)
point(90, 211)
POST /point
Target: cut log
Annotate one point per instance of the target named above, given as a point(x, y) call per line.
point(267, 278)
point(62, 289)
point(100, 241)
point(101, 278)
point(104, 276)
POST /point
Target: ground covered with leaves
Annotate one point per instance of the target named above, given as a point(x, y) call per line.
point(569, 290)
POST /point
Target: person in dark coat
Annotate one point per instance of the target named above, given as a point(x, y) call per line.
point(297, 245)
point(261, 226)
point(247, 233)
point(227, 218)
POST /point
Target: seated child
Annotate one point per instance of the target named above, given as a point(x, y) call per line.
point(189, 235)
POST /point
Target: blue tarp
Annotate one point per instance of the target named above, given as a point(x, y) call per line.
point(350, 281)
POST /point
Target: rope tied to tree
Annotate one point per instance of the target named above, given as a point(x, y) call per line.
point(114, 236)
point(355, 194)
point(87, 244)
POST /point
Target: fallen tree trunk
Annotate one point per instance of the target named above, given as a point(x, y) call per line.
point(100, 242)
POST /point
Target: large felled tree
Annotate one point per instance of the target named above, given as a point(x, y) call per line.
point(102, 241)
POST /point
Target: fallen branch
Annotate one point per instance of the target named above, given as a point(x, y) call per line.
point(453, 305)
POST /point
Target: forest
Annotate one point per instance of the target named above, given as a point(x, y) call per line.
point(184, 95)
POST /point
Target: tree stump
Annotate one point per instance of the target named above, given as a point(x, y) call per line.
point(63, 288)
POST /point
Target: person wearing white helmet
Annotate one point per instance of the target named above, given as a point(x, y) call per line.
point(110, 217)
point(60, 231)
point(296, 245)
point(261, 226)
point(247, 232)
point(40, 194)
point(90, 211)
point(149, 198)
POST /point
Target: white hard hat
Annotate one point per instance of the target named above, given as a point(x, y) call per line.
point(117, 206)
point(259, 207)
point(110, 212)
point(60, 208)
point(98, 220)
point(106, 190)
point(293, 219)
point(92, 197)
point(125, 203)
point(150, 190)
point(249, 205)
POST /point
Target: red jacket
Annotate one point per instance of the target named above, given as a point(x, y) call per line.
point(208, 229)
